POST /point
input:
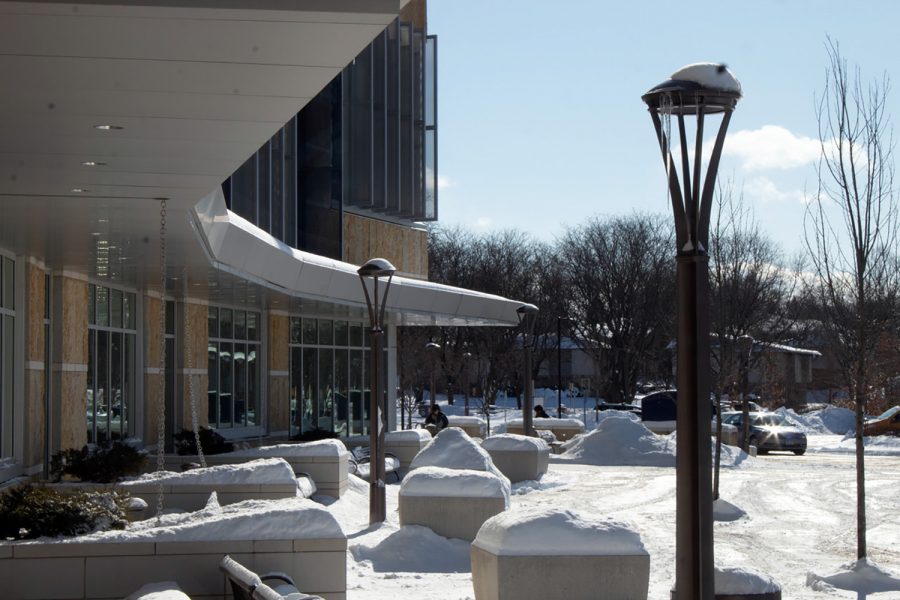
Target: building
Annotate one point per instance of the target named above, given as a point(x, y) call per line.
point(261, 150)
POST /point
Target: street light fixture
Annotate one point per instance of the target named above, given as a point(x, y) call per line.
point(432, 349)
point(374, 270)
point(527, 314)
point(696, 90)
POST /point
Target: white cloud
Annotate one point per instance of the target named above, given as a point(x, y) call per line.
point(765, 191)
point(483, 222)
point(771, 147)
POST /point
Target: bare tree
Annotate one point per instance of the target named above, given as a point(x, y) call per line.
point(750, 300)
point(620, 288)
point(851, 234)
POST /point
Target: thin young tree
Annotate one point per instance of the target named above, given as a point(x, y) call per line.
point(851, 234)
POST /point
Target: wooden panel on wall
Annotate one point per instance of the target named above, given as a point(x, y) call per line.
point(405, 247)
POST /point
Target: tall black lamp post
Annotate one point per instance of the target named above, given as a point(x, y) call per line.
point(559, 321)
point(374, 270)
point(694, 91)
point(467, 356)
point(527, 314)
point(432, 349)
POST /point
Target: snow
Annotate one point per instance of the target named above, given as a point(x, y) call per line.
point(510, 442)
point(864, 576)
point(726, 511)
point(463, 420)
point(879, 445)
point(269, 470)
point(543, 531)
point(743, 580)
point(407, 435)
point(454, 449)
point(402, 551)
point(825, 421)
point(161, 590)
point(318, 448)
point(551, 423)
point(618, 440)
point(455, 483)
point(710, 75)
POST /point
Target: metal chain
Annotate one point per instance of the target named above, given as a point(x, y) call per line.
point(161, 415)
point(189, 369)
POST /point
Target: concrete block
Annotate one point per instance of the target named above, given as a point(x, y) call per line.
point(448, 516)
point(29, 578)
point(519, 465)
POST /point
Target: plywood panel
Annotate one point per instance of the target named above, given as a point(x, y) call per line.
point(405, 247)
point(73, 425)
point(74, 309)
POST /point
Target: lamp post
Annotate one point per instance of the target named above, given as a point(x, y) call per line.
point(527, 314)
point(559, 321)
point(375, 269)
point(466, 357)
point(695, 90)
point(745, 396)
point(432, 349)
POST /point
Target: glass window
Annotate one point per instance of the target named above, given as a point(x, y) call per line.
point(7, 355)
point(233, 368)
point(225, 330)
point(115, 308)
point(212, 370)
point(252, 326)
point(340, 333)
point(296, 389)
point(356, 334)
point(277, 186)
point(263, 189)
point(240, 325)
point(213, 322)
point(310, 388)
point(326, 336)
point(226, 384)
point(92, 304)
point(310, 332)
point(295, 330)
point(102, 299)
point(128, 309)
point(170, 317)
point(9, 284)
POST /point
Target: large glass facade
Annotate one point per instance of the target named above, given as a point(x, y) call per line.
point(7, 355)
point(234, 352)
point(368, 140)
point(112, 339)
point(329, 382)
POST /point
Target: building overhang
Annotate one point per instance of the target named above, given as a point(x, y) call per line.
point(316, 284)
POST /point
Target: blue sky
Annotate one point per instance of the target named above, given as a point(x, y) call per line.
point(540, 119)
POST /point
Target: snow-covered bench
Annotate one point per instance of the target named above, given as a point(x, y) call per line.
point(161, 590)
point(247, 585)
point(563, 429)
point(544, 552)
point(519, 457)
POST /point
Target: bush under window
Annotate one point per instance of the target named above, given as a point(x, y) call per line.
point(28, 512)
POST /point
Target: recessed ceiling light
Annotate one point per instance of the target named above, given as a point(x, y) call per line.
point(96, 233)
point(103, 220)
point(105, 127)
point(79, 190)
point(94, 163)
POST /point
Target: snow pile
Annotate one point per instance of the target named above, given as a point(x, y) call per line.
point(288, 519)
point(878, 445)
point(318, 448)
point(162, 590)
point(710, 75)
point(737, 581)
point(510, 442)
point(264, 471)
point(606, 414)
point(864, 577)
point(463, 420)
point(455, 483)
point(618, 440)
point(825, 421)
point(454, 449)
point(726, 511)
point(407, 435)
point(412, 549)
point(542, 531)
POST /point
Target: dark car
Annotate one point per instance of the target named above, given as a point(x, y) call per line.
point(887, 423)
point(662, 406)
point(769, 431)
point(619, 406)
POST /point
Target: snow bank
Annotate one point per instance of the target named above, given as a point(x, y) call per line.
point(864, 577)
point(825, 421)
point(454, 449)
point(539, 531)
point(618, 440)
point(269, 470)
point(709, 75)
point(407, 435)
point(879, 445)
point(318, 448)
point(413, 549)
point(455, 483)
point(510, 442)
point(743, 580)
point(288, 519)
point(606, 414)
point(726, 511)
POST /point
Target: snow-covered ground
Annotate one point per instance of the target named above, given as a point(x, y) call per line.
point(799, 526)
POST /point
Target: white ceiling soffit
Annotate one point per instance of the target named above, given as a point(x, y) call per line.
point(195, 86)
point(236, 246)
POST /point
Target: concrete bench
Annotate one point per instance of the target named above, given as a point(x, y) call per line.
point(474, 426)
point(519, 457)
point(563, 429)
point(406, 444)
point(453, 503)
point(541, 553)
point(325, 461)
point(297, 537)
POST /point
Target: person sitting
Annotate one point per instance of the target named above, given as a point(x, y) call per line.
point(540, 413)
point(436, 419)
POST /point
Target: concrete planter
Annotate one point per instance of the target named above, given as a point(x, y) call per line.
point(474, 426)
point(406, 444)
point(520, 458)
point(563, 429)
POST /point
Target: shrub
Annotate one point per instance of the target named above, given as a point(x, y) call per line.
point(28, 512)
point(103, 464)
point(210, 440)
point(312, 435)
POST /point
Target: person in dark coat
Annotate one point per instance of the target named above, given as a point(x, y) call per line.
point(540, 413)
point(437, 418)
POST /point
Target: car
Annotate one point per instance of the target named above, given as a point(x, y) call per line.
point(618, 406)
point(769, 431)
point(887, 423)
